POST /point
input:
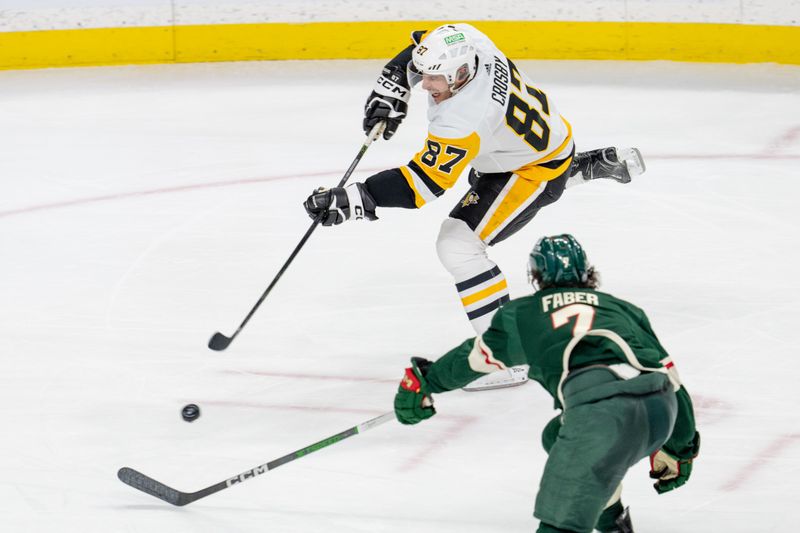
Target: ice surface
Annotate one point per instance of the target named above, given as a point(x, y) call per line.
point(144, 208)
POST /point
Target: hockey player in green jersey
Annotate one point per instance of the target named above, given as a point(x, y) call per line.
point(598, 357)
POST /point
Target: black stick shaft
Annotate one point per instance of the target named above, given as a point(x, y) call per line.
point(146, 484)
point(218, 341)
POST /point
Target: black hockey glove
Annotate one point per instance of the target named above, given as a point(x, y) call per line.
point(341, 203)
point(388, 102)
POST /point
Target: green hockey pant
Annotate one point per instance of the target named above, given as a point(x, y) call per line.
point(597, 443)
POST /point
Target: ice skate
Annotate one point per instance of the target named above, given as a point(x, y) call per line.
point(510, 377)
point(618, 164)
point(623, 523)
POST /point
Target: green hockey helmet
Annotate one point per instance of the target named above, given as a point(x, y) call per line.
point(558, 261)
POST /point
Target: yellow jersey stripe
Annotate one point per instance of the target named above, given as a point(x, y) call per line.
point(520, 192)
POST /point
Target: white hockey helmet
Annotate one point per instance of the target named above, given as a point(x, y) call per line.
point(445, 51)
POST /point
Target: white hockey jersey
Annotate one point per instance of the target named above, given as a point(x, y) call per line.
point(498, 122)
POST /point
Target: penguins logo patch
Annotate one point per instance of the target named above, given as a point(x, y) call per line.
point(471, 199)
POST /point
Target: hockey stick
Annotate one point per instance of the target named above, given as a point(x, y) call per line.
point(218, 341)
point(144, 483)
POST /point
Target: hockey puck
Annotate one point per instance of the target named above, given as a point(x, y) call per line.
point(190, 412)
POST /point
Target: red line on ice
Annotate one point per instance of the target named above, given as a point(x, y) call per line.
point(164, 190)
point(457, 426)
point(322, 377)
point(787, 138)
point(710, 410)
point(772, 451)
point(250, 181)
point(722, 156)
point(285, 407)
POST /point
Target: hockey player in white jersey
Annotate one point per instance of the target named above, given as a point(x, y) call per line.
point(485, 113)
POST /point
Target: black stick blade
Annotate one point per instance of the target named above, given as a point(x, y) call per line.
point(219, 342)
point(139, 481)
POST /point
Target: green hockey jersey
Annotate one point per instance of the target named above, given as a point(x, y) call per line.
point(558, 330)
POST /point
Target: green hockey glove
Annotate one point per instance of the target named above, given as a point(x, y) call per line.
point(413, 403)
point(670, 470)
